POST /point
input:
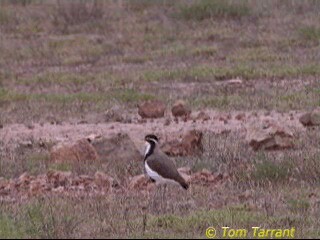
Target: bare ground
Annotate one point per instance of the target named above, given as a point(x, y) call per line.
point(219, 122)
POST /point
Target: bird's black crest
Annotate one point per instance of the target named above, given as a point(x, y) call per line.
point(151, 137)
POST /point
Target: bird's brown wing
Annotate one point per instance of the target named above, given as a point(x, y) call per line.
point(165, 167)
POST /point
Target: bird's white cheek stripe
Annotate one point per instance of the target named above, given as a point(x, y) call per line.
point(148, 146)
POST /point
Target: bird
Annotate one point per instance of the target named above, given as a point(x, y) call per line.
point(158, 166)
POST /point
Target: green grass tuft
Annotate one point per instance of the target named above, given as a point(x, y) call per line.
point(266, 170)
point(310, 33)
point(298, 206)
point(205, 9)
point(8, 228)
point(209, 73)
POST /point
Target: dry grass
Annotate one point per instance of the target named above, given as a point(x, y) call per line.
point(269, 189)
point(92, 55)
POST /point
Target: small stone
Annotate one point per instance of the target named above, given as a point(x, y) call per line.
point(167, 122)
point(191, 144)
point(81, 151)
point(180, 109)
point(152, 109)
point(138, 182)
point(269, 136)
point(203, 116)
point(311, 118)
point(240, 116)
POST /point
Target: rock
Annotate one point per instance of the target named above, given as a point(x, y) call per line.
point(202, 116)
point(152, 109)
point(315, 117)
point(121, 156)
point(139, 182)
point(53, 120)
point(305, 119)
point(59, 189)
point(224, 118)
point(311, 118)
point(241, 116)
point(167, 122)
point(172, 148)
point(185, 170)
point(102, 180)
point(245, 196)
point(82, 122)
point(3, 183)
point(269, 136)
point(24, 181)
point(86, 182)
point(81, 151)
point(185, 173)
point(190, 144)
point(142, 121)
point(26, 144)
point(59, 178)
point(38, 186)
point(206, 177)
point(236, 81)
point(30, 126)
point(225, 132)
point(92, 137)
point(180, 109)
point(116, 114)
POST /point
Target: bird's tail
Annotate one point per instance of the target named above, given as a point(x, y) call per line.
point(184, 185)
point(183, 182)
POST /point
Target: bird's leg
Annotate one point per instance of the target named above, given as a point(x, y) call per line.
point(145, 210)
point(150, 200)
point(164, 198)
point(161, 198)
point(154, 202)
point(158, 198)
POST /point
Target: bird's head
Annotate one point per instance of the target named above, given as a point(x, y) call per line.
point(151, 142)
point(151, 138)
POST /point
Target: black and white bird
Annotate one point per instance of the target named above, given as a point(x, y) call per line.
point(159, 167)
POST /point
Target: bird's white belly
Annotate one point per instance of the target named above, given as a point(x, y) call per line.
point(155, 176)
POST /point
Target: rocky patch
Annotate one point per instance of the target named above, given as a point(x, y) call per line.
point(55, 182)
point(140, 182)
point(180, 109)
point(81, 151)
point(152, 109)
point(311, 118)
point(269, 136)
point(202, 116)
point(190, 144)
point(120, 154)
point(206, 177)
point(59, 182)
